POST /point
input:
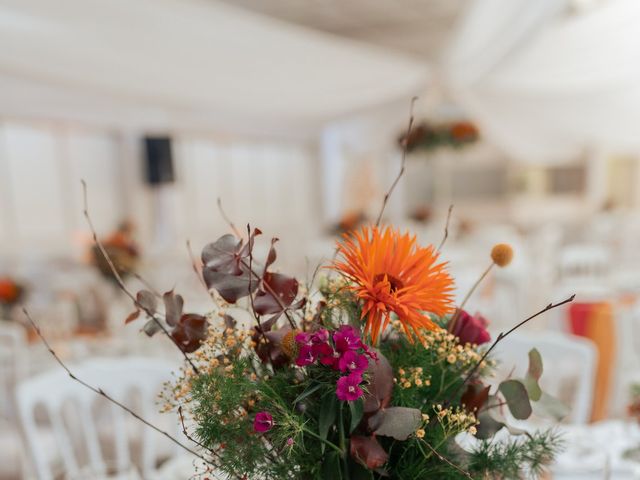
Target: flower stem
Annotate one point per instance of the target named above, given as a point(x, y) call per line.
point(456, 315)
point(345, 465)
point(327, 442)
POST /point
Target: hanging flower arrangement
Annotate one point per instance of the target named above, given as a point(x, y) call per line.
point(431, 136)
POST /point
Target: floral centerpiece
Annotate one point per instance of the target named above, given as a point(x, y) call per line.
point(375, 375)
point(370, 371)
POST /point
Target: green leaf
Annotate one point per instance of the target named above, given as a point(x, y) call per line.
point(331, 466)
point(327, 417)
point(307, 392)
point(515, 393)
point(534, 373)
point(396, 422)
point(550, 406)
point(535, 364)
point(357, 410)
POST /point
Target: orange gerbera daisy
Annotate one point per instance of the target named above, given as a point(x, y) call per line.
point(391, 273)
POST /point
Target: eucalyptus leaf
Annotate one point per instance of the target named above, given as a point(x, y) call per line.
point(549, 406)
point(534, 373)
point(396, 422)
point(151, 327)
point(517, 398)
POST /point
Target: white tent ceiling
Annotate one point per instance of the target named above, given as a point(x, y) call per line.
point(200, 61)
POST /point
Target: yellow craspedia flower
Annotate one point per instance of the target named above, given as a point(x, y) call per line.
point(502, 254)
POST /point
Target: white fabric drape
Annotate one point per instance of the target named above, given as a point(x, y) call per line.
point(545, 81)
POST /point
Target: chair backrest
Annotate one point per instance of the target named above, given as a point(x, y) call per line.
point(569, 367)
point(123, 379)
point(13, 343)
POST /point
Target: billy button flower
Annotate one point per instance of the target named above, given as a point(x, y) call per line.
point(501, 256)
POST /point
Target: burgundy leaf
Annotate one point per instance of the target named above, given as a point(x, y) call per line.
point(147, 301)
point(475, 396)
point(230, 287)
point(368, 451)
point(229, 321)
point(248, 247)
point(225, 267)
point(284, 287)
point(271, 257)
point(223, 255)
point(173, 304)
point(190, 331)
point(380, 385)
point(132, 316)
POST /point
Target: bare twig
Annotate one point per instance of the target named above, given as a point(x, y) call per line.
point(405, 147)
point(251, 300)
point(270, 290)
point(105, 395)
point(446, 228)
point(501, 337)
point(235, 230)
point(193, 440)
point(442, 458)
point(120, 282)
point(458, 312)
point(146, 284)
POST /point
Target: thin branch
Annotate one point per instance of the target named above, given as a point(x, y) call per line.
point(120, 282)
point(456, 315)
point(193, 440)
point(442, 458)
point(227, 219)
point(402, 164)
point(501, 337)
point(446, 228)
point(251, 300)
point(105, 395)
point(146, 284)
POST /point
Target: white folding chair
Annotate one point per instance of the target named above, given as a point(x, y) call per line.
point(13, 344)
point(569, 367)
point(80, 437)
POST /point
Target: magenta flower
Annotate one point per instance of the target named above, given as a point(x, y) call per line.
point(348, 388)
point(304, 338)
point(306, 356)
point(321, 336)
point(369, 353)
point(471, 329)
point(327, 355)
point(263, 422)
point(347, 338)
point(353, 362)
